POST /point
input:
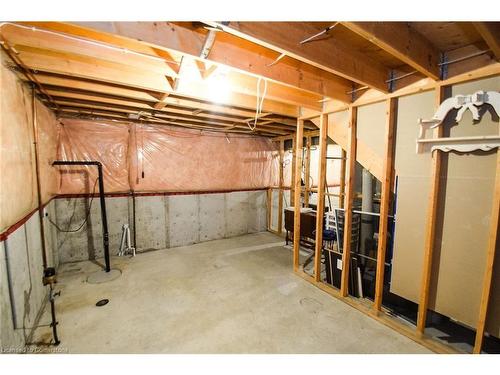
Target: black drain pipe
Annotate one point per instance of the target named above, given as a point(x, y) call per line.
point(105, 237)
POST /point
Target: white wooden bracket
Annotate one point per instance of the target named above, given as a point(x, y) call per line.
point(462, 103)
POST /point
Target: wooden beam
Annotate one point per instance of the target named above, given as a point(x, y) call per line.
point(430, 230)
point(490, 32)
point(490, 261)
point(63, 84)
point(182, 38)
point(332, 56)
point(349, 200)
point(307, 172)
point(320, 211)
point(162, 103)
point(403, 42)
point(385, 201)
point(21, 37)
point(281, 185)
point(297, 191)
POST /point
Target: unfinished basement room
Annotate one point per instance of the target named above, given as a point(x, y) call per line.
point(250, 187)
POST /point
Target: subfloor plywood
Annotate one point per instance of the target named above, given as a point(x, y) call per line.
point(235, 295)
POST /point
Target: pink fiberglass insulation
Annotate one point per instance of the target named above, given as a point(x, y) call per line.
point(149, 158)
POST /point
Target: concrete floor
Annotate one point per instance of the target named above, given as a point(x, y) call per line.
point(236, 295)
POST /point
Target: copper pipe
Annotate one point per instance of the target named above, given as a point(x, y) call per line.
point(38, 184)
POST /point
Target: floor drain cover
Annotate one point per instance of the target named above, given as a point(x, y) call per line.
point(102, 302)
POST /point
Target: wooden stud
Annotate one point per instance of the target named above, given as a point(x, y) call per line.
point(490, 260)
point(349, 200)
point(430, 230)
point(307, 172)
point(297, 191)
point(280, 193)
point(385, 201)
point(342, 178)
point(320, 211)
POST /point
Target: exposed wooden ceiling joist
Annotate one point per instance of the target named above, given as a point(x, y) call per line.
point(490, 32)
point(332, 56)
point(403, 42)
point(69, 111)
point(184, 39)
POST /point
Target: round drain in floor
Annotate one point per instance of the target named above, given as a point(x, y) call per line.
point(102, 302)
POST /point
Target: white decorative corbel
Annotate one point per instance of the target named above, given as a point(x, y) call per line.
point(462, 103)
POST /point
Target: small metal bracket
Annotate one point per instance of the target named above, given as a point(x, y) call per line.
point(443, 66)
point(390, 82)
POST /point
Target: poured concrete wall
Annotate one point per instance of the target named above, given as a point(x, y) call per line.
point(161, 221)
point(22, 295)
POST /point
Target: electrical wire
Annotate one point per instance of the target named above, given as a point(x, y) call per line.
point(86, 215)
point(260, 102)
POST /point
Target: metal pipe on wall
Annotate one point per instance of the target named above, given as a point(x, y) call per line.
point(37, 171)
point(105, 233)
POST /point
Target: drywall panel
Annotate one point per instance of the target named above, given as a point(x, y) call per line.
point(465, 209)
point(151, 222)
point(413, 178)
point(184, 224)
point(369, 145)
point(371, 131)
point(212, 217)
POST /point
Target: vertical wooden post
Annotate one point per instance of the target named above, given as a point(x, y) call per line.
point(342, 178)
point(320, 211)
point(490, 260)
point(388, 175)
point(349, 199)
point(296, 193)
point(307, 173)
point(280, 193)
point(431, 226)
point(292, 180)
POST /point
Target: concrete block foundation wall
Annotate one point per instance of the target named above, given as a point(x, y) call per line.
point(22, 295)
point(162, 221)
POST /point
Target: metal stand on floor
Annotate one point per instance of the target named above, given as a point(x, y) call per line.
point(125, 245)
point(49, 278)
